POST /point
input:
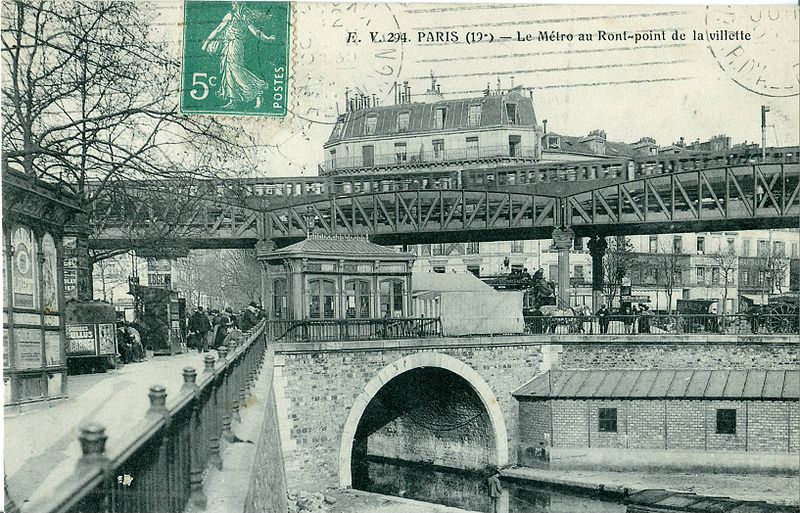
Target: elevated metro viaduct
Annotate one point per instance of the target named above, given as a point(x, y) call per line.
point(739, 197)
point(448, 401)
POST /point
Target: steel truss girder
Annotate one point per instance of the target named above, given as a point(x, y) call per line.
point(770, 191)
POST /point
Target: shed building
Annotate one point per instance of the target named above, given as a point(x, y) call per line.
point(635, 419)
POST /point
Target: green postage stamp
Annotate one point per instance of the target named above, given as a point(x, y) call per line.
point(235, 58)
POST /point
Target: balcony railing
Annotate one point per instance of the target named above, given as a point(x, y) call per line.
point(410, 157)
point(327, 330)
point(665, 324)
point(173, 445)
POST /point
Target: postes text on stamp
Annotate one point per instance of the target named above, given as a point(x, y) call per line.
point(235, 58)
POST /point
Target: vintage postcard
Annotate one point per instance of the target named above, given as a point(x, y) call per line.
point(400, 257)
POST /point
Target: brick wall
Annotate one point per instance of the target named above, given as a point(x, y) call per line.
point(705, 355)
point(686, 427)
point(316, 389)
point(646, 426)
point(599, 438)
point(534, 422)
point(761, 426)
point(570, 424)
point(768, 426)
point(722, 442)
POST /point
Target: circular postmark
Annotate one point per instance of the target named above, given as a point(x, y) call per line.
point(339, 47)
point(767, 64)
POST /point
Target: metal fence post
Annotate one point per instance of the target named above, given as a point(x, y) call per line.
point(227, 435)
point(196, 494)
point(158, 409)
point(233, 377)
point(93, 438)
point(213, 427)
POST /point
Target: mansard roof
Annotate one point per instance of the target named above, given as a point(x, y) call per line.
point(422, 116)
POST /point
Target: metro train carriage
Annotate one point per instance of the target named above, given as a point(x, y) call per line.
point(474, 175)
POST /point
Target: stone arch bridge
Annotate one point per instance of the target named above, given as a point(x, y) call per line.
point(447, 401)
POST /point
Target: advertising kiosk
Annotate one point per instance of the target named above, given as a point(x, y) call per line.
point(34, 355)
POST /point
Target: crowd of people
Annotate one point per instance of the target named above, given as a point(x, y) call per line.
point(636, 319)
point(214, 328)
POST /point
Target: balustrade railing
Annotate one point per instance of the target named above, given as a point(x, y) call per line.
point(326, 330)
point(162, 469)
point(656, 324)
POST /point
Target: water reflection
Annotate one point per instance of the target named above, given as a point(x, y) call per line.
point(468, 490)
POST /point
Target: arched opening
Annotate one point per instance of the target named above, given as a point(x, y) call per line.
point(428, 409)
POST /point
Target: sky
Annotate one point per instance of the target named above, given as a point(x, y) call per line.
point(665, 89)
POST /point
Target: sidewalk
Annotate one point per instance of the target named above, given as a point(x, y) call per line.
point(41, 439)
point(784, 490)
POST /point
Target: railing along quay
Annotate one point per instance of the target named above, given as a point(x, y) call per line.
point(175, 443)
point(665, 324)
point(322, 330)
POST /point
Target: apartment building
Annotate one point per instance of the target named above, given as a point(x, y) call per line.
point(496, 129)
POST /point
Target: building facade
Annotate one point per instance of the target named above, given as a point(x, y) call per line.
point(496, 129)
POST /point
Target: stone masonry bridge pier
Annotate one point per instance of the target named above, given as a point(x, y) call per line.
point(448, 401)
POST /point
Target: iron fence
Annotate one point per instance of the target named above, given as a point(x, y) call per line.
point(174, 445)
point(655, 324)
point(326, 330)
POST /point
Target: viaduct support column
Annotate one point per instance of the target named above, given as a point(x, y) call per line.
point(263, 250)
point(597, 248)
point(562, 239)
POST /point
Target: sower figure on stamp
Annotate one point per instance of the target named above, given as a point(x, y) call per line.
point(229, 41)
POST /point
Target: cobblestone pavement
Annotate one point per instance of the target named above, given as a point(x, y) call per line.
point(41, 439)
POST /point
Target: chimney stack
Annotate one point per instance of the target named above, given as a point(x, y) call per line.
point(544, 125)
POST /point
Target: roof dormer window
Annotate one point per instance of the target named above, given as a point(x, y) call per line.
point(553, 142)
point(402, 121)
point(370, 124)
point(511, 113)
point(339, 128)
point(474, 115)
point(439, 118)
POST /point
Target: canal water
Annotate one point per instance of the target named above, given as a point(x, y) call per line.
point(469, 490)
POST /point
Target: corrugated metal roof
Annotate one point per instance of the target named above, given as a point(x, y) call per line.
point(664, 383)
point(340, 246)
